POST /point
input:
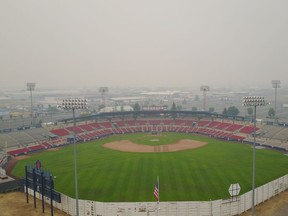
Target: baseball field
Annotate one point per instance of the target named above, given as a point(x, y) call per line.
point(124, 168)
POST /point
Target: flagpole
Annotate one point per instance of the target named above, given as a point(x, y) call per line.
point(157, 194)
point(158, 189)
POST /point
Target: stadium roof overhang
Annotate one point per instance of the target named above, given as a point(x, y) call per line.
point(156, 113)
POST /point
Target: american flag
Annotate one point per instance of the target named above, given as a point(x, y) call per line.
point(156, 191)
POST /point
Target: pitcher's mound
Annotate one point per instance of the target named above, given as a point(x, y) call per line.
point(128, 146)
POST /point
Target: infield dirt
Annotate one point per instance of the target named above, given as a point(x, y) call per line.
point(128, 146)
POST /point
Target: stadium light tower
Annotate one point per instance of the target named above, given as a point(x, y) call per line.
point(204, 89)
point(73, 104)
point(31, 87)
point(254, 101)
point(103, 91)
point(276, 85)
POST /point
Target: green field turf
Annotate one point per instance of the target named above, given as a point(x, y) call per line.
point(197, 174)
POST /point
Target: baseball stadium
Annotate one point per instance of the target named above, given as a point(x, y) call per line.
point(193, 159)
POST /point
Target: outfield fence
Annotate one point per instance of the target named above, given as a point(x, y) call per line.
point(227, 207)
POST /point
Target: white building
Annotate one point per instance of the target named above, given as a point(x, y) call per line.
point(117, 108)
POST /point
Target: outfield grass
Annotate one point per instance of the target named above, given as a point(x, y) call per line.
point(197, 174)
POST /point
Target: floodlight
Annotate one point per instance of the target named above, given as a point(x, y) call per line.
point(73, 104)
point(204, 88)
point(276, 85)
point(255, 101)
point(31, 87)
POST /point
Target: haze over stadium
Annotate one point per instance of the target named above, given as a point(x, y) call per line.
point(165, 43)
point(149, 89)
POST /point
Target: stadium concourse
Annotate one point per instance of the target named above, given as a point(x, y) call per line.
point(37, 139)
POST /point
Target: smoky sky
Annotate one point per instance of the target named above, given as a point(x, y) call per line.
point(151, 43)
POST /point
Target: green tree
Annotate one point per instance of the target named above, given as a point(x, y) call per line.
point(174, 109)
point(194, 108)
point(39, 123)
point(225, 112)
point(137, 107)
point(179, 107)
point(271, 113)
point(211, 109)
point(250, 110)
point(94, 111)
point(233, 111)
point(52, 109)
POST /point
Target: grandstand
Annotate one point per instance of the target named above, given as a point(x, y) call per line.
point(24, 137)
point(37, 139)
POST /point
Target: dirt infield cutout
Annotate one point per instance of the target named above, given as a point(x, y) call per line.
point(128, 146)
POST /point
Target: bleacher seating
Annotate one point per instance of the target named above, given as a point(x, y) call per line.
point(236, 137)
point(86, 127)
point(105, 124)
point(234, 127)
point(74, 129)
point(189, 122)
point(268, 135)
point(202, 123)
point(18, 152)
point(213, 124)
point(154, 122)
point(284, 145)
point(95, 125)
point(248, 129)
point(36, 148)
point(120, 123)
point(6, 138)
point(60, 132)
point(268, 131)
point(47, 145)
point(142, 122)
point(57, 142)
point(223, 125)
point(167, 121)
point(22, 137)
point(130, 122)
